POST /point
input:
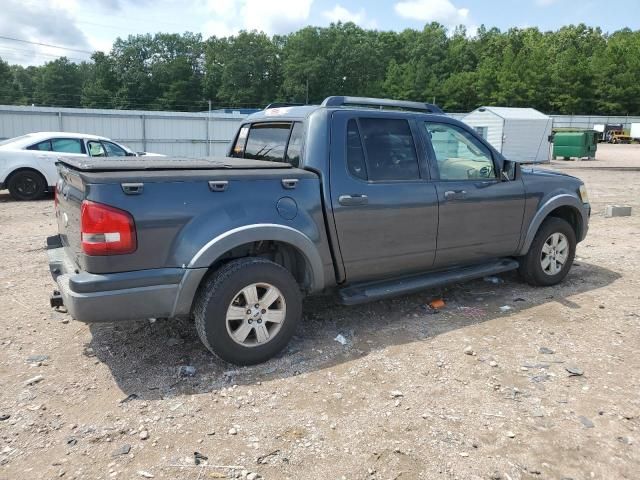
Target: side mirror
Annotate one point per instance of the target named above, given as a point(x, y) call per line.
point(508, 171)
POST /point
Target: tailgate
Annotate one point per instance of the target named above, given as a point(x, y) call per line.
point(70, 193)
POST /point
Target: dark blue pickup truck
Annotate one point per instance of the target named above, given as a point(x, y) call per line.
point(366, 198)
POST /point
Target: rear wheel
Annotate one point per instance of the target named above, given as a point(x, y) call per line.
point(551, 253)
point(27, 185)
point(248, 310)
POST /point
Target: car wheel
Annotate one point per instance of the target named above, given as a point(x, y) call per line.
point(27, 185)
point(248, 310)
point(551, 253)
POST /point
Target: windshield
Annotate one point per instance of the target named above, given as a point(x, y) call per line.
point(14, 139)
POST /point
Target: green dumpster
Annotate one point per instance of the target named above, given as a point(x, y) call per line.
point(575, 144)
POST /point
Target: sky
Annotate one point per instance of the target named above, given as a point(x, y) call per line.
point(83, 26)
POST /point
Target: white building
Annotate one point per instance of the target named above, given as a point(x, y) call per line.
point(518, 133)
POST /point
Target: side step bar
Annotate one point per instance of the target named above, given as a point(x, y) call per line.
point(368, 292)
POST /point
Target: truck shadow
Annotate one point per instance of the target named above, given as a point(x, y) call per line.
point(5, 197)
point(145, 357)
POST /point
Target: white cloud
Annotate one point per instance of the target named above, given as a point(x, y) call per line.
point(52, 24)
point(340, 14)
point(546, 3)
point(273, 16)
point(276, 16)
point(442, 11)
point(219, 28)
point(221, 7)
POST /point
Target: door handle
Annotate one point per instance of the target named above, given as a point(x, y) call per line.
point(455, 195)
point(289, 183)
point(218, 185)
point(356, 199)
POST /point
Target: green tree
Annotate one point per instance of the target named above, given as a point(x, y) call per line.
point(8, 93)
point(102, 84)
point(576, 69)
point(617, 70)
point(58, 84)
point(250, 73)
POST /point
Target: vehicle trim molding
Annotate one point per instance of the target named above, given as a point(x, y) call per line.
point(561, 200)
point(224, 242)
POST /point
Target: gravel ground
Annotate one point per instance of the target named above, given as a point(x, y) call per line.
point(548, 389)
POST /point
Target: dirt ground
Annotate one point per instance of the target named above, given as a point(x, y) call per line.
point(401, 400)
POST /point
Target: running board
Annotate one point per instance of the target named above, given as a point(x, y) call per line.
point(367, 292)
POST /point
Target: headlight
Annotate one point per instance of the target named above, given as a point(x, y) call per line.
point(584, 196)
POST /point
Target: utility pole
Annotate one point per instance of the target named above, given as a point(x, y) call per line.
point(307, 101)
point(208, 134)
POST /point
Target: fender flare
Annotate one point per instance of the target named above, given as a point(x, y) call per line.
point(218, 246)
point(562, 200)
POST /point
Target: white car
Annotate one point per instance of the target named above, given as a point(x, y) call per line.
point(27, 163)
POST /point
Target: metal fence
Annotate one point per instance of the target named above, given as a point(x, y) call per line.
point(170, 133)
point(179, 133)
point(581, 121)
point(588, 121)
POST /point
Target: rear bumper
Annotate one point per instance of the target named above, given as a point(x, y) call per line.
point(117, 297)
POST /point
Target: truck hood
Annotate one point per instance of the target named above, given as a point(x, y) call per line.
point(541, 172)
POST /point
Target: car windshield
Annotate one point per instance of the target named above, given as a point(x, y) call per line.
point(14, 139)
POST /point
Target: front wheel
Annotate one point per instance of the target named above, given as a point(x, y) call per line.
point(551, 253)
point(248, 310)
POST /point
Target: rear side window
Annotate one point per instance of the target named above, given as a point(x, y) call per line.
point(238, 148)
point(273, 142)
point(355, 152)
point(390, 149)
point(67, 145)
point(294, 148)
point(42, 146)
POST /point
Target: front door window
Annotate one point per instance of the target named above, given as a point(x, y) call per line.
point(459, 156)
point(96, 149)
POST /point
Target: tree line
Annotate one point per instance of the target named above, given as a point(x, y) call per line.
point(574, 70)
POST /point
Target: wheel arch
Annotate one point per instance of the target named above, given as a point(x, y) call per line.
point(282, 244)
point(27, 169)
point(564, 206)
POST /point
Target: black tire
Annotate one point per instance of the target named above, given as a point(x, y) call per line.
point(27, 185)
point(531, 268)
point(223, 287)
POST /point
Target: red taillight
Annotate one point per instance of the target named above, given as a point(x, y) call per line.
point(106, 230)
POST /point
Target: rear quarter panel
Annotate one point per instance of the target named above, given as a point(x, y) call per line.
point(12, 160)
point(176, 219)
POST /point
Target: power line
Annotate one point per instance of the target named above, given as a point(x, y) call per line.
point(12, 51)
point(45, 45)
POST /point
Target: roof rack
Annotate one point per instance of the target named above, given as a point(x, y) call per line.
point(283, 104)
point(340, 101)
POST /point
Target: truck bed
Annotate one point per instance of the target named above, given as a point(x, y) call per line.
point(166, 163)
point(177, 207)
point(173, 169)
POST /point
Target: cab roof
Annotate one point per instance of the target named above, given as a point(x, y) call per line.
point(299, 112)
